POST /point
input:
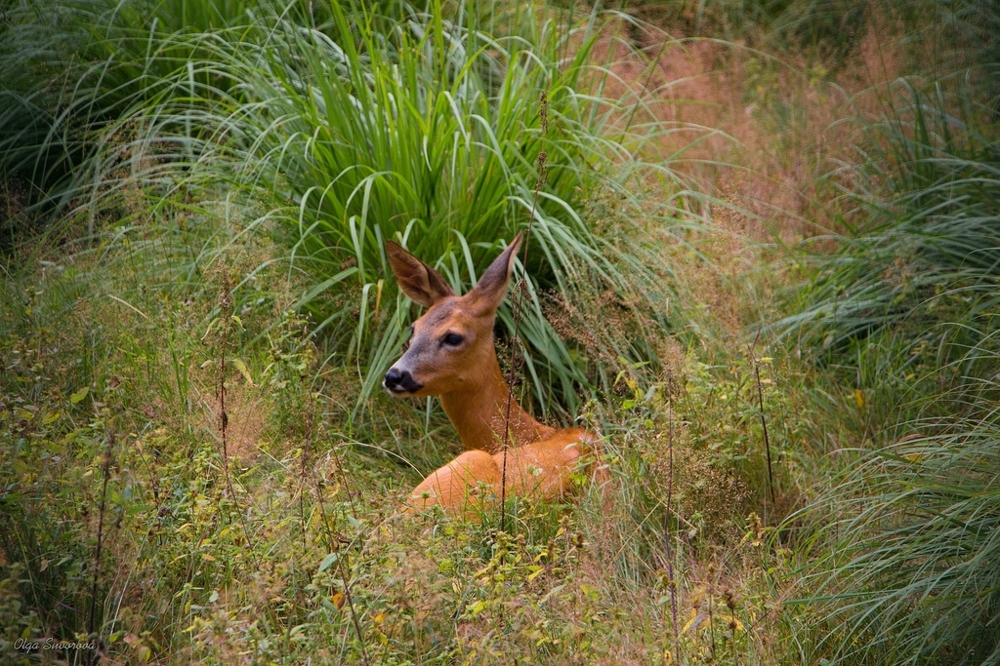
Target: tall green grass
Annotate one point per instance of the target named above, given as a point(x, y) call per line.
point(909, 569)
point(429, 133)
point(904, 314)
point(338, 129)
point(73, 71)
point(927, 249)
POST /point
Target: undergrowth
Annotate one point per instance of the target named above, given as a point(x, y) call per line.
point(903, 318)
point(197, 464)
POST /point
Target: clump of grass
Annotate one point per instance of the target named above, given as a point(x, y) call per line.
point(911, 573)
point(903, 314)
point(925, 255)
point(77, 69)
point(421, 127)
point(426, 131)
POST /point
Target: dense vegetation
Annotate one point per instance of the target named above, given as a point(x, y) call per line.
point(764, 265)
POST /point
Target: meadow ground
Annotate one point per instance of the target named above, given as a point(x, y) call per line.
point(763, 267)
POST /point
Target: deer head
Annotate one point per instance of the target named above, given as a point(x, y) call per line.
point(451, 348)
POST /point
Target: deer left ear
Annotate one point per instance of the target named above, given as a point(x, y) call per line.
point(489, 292)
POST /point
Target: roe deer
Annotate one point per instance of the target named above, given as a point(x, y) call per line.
point(452, 355)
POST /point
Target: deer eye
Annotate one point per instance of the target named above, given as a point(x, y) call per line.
point(452, 339)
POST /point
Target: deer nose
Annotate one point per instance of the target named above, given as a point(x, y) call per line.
point(400, 381)
point(392, 378)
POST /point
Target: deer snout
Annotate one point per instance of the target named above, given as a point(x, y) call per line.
point(400, 381)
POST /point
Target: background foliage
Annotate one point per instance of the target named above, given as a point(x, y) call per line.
point(763, 266)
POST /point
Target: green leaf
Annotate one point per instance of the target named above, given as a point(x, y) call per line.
point(241, 366)
point(328, 560)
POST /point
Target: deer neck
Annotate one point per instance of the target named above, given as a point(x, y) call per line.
point(479, 412)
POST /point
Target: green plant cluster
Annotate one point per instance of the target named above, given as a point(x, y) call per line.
point(196, 464)
point(904, 317)
point(337, 127)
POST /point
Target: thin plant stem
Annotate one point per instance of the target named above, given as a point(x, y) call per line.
point(92, 621)
point(671, 583)
point(226, 308)
point(711, 611)
point(304, 460)
point(333, 544)
point(645, 86)
point(763, 420)
point(516, 312)
point(344, 479)
point(731, 605)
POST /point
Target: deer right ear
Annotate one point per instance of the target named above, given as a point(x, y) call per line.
point(492, 285)
point(420, 282)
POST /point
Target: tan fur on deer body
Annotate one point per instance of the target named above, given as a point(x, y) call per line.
point(452, 355)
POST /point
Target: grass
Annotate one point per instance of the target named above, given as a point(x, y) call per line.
point(427, 145)
point(77, 70)
point(199, 583)
point(827, 30)
point(915, 551)
point(904, 312)
point(195, 311)
point(416, 137)
point(909, 554)
point(925, 253)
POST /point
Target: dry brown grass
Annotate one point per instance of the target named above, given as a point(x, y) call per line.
point(769, 132)
point(248, 415)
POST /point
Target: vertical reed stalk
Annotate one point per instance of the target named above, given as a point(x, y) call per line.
point(304, 465)
point(226, 320)
point(333, 544)
point(731, 605)
point(763, 420)
point(516, 305)
point(92, 620)
point(711, 615)
point(667, 542)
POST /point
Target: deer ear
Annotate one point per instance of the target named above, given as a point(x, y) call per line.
point(420, 282)
point(492, 286)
